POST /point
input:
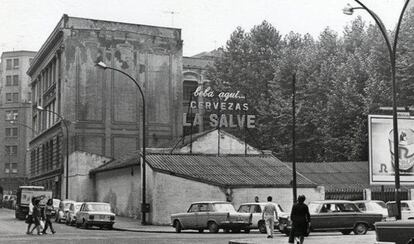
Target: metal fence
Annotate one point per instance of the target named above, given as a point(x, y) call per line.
point(388, 195)
point(356, 194)
point(344, 194)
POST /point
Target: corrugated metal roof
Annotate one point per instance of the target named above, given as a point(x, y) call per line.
point(228, 170)
point(336, 175)
point(339, 175)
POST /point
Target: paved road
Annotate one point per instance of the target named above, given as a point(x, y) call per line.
point(13, 231)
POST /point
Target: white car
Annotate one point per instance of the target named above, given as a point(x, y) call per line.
point(63, 208)
point(71, 213)
point(407, 209)
point(256, 210)
point(372, 206)
point(95, 214)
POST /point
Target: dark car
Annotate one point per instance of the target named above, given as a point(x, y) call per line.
point(338, 215)
point(396, 232)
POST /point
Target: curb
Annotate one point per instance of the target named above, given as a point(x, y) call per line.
point(141, 230)
point(241, 242)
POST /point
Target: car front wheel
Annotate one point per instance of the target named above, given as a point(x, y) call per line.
point(360, 229)
point(177, 226)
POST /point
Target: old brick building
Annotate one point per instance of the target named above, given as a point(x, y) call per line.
point(102, 109)
point(15, 122)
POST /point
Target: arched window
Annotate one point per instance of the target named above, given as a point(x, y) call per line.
point(189, 86)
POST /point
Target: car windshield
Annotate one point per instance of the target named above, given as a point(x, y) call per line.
point(99, 207)
point(67, 205)
point(77, 206)
point(224, 207)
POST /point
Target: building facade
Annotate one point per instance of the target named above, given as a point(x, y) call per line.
point(15, 122)
point(101, 109)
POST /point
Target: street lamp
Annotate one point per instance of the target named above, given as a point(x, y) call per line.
point(144, 205)
point(24, 125)
point(349, 10)
point(40, 108)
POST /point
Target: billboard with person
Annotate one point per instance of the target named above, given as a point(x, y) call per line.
point(381, 149)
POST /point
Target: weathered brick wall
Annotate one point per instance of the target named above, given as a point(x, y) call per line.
point(122, 189)
point(107, 104)
point(81, 186)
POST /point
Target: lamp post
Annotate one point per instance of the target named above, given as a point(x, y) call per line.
point(40, 108)
point(144, 205)
point(294, 185)
point(349, 10)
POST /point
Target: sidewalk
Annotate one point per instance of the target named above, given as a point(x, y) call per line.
point(131, 224)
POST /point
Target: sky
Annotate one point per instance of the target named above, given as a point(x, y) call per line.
point(205, 24)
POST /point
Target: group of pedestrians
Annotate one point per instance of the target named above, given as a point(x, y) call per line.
point(40, 219)
point(299, 216)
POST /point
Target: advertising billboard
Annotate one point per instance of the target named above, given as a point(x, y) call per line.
point(381, 149)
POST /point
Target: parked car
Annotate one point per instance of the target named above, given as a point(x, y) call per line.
point(211, 215)
point(71, 214)
point(407, 209)
point(394, 232)
point(63, 208)
point(256, 210)
point(95, 214)
point(339, 215)
point(372, 206)
point(56, 203)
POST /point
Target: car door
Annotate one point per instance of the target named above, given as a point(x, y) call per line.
point(320, 216)
point(347, 215)
point(79, 214)
point(203, 215)
point(189, 219)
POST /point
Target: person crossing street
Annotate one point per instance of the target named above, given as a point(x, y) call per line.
point(268, 215)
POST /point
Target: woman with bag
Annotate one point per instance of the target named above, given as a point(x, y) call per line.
point(29, 218)
point(37, 215)
point(48, 215)
point(300, 220)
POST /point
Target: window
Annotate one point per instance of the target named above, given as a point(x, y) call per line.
point(8, 97)
point(11, 114)
point(14, 168)
point(15, 97)
point(12, 97)
point(8, 64)
point(204, 207)
point(8, 80)
point(11, 150)
point(193, 208)
point(7, 168)
point(15, 63)
point(11, 132)
point(244, 209)
point(15, 80)
point(188, 89)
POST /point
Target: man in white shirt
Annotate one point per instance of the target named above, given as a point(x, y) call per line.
point(268, 215)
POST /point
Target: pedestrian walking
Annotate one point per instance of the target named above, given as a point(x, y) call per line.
point(29, 218)
point(268, 215)
point(37, 215)
point(48, 213)
point(300, 221)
